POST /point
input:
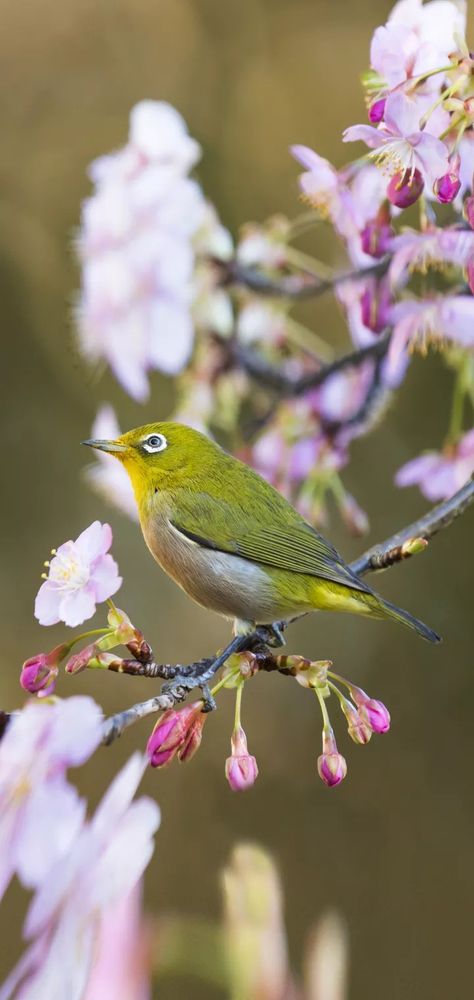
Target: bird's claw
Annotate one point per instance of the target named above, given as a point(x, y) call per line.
point(271, 635)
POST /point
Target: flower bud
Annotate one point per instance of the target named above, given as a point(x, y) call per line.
point(193, 738)
point(377, 111)
point(172, 733)
point(374, 712)
point(38, 674)
point(405, 188)
point(378, 716)
point(447, 187)
point(357, 727)
point(376, 237)
point(468, 211)
point(332, 767)
point(375, 308)
point(241, 768)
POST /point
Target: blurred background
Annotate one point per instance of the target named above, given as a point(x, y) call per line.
point(391, 849)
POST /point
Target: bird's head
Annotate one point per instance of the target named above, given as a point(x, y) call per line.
point(159, 456)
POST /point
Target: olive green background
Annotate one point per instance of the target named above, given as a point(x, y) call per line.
point(392, 848)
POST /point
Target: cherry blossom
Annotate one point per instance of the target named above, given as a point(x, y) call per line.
point(419, 322)
point(122, 963)
point(66, 913)
point(434, 248)
point(399, 144)
point(440, 474)
point(418, 38)
point(40, 813)
point(80, 575)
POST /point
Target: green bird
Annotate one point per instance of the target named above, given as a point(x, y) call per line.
point(230, 540)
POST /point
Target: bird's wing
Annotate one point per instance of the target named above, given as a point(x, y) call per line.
point(279, 543)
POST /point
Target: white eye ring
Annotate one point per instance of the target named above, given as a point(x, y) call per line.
point(154, 443)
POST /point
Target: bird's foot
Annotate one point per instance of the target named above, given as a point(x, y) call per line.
point(270, 635)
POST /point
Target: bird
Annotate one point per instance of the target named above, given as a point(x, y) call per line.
point(230, 540)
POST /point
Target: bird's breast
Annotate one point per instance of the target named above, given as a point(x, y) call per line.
point(234, 587)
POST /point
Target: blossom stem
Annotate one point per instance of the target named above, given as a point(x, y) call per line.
point(327, 728)
point(445, 94)
point(457, 410)
point(238, 705)
point(432, 72)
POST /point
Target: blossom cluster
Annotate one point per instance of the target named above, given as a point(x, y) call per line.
point(145, 237)
point(77, 867)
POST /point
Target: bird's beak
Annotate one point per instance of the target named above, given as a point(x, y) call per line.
point(113, 446)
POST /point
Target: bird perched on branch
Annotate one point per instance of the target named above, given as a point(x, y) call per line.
point(230, 540)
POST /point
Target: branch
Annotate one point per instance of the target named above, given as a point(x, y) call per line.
point(303, 285)
point(182, 679)
point(395, 548)
point(286, 385)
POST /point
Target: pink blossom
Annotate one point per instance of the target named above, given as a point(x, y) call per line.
point(122, 962)
point(81, 575)
point(419, 322)
point(417, 38)
point(65, 915)
point(373, 712)
point(447, 187)
point(348, 203)
point(400, 145)
point(108, 478)
point(241, 768)
point(143, 230)
point(434, 248)
point(40, 813)
point(440, 474)
point(260, 321)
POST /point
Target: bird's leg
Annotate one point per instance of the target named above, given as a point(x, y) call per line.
point(200, 674)
point(271, 635)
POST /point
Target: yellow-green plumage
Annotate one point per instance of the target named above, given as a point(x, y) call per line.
point(230, 540)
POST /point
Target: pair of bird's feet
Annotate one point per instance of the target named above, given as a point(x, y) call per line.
point(264, 637)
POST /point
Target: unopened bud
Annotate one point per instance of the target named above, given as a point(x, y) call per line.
point(39, 673)
point(377, 111)
point(241, 768)
point(413, 546)
point(332, 767)
point(447, 187)
point(172, 733)
point(405, 188)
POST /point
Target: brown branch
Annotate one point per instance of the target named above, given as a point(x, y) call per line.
point(286, 385)
point(395, 548)
point(302, 285)
point(182, 679)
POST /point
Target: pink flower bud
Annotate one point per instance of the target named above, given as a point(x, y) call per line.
point(332, 767)
point(376, 238)
point(358, 728)
point(193, 739)
point(378, 716)
point(405, 188)
point(38, 674)
point(375, 308)
point(469, 211)
point(447, 186)
point(377, 111)
point(79, 661)
point(241, 768)
point(374, 712)
point(172, 733)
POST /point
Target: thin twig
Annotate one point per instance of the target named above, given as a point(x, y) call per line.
point(272, 377)
point(302, 285)
point(386, 553)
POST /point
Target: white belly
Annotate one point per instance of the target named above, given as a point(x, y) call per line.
point(234, 587)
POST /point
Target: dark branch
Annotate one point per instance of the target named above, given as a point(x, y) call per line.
point(391, 550)
point(182, 679)
point(286, 385)
point(302, 285)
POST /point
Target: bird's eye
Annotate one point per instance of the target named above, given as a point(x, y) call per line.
point(155, 443)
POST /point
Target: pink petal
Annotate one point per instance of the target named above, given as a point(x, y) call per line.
point(76, 730)
point(458, 318)
point(432, 156)
point(309, 159)
point(77, 606)
point(414, 471)
point(47, 604)
point(115, 878)
point(172, 336)
point(373, 137)
point(402, 114)
point(119, 795)
point(105, 578)
point(51, 820)
point(94, 541)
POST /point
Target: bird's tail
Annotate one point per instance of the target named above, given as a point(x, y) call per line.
point(389, 610)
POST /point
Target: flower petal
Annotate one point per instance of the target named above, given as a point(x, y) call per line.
point(77, 606)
